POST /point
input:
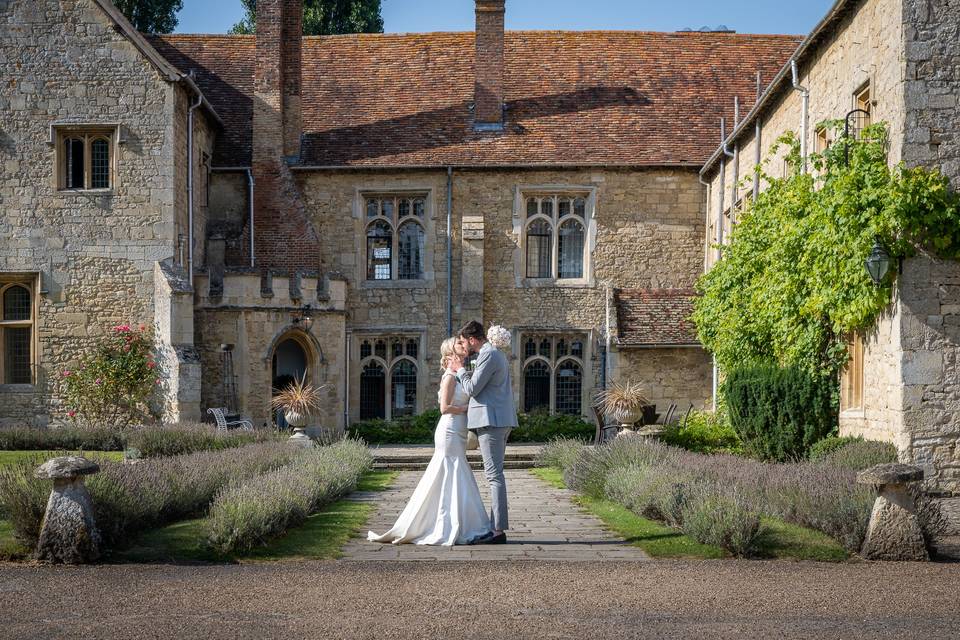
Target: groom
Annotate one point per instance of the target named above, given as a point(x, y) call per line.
point(492, 415)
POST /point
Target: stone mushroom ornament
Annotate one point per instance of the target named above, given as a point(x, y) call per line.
point(69, 533)
point(894, 532)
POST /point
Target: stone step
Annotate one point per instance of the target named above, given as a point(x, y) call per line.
point(476, 465)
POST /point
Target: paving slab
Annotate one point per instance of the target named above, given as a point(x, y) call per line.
point(545, 525)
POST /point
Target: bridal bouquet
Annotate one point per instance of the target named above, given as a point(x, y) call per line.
point(499, 337)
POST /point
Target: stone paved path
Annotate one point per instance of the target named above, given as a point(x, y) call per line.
point(544, 525)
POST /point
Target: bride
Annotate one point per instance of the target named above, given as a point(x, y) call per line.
point(446, 507)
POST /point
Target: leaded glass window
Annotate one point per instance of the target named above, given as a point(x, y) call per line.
point(16, 333)
point(85, 160)
point(372, 385)
point(552, 372)
point(570, 250)
point(569, 386)
point(555, 237)
point(396, 237)
point(388, 376)
point(379, 251)
point(536, 386)
point(539, 251)
point(403, 389)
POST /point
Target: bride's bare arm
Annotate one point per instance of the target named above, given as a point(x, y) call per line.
point(447, 386)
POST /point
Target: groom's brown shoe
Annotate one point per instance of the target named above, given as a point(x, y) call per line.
point(484, 539)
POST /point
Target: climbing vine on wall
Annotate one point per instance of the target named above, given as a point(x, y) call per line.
point(791, 284)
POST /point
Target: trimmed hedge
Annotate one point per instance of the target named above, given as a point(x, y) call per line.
point(779, 413)
point(534, 427)
point(150, 442)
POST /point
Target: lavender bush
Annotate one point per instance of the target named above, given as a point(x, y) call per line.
point(560, 453)
point(666, 483)
point(246, 514)
point(129, 498)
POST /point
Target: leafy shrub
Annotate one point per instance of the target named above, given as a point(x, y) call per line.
point(560, 453)
point(245, 514)
point(111, 387)
point(861, 454)
point(724, 519)
point(828, 445)
point(704, 432)
point(779, 413)
point(61, 439)
point(419, 429)
point(129, 498)
point(150, 441)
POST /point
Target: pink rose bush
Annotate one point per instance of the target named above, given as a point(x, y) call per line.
point(112, 385)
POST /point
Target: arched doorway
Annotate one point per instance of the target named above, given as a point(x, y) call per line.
point(290, 362)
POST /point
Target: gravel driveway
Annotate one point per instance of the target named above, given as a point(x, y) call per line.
point(520, 599)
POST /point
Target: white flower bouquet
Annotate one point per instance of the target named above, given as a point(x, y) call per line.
point(499, 337)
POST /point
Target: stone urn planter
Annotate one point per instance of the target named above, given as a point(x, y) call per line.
point(297, 401)
point(623, 402)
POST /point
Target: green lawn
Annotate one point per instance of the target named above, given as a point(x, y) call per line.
point(8, 458)
point(320, 538)
point(779, 540)
point(10, 549)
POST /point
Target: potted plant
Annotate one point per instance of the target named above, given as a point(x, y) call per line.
point(297, 401)
point(624, 403)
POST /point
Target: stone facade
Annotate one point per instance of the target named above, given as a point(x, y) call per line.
point(906, 51)
point(92, 252)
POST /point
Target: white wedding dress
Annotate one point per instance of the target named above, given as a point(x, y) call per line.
point(446, 507)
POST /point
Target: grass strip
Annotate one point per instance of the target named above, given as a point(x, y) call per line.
point(321, 537)
point(10, 549)
point(8, 458)
point(779, 540)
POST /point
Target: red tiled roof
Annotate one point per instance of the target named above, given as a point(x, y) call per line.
point(597, 97)
point(648, 317)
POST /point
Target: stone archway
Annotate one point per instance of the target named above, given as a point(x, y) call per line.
point(293, 355)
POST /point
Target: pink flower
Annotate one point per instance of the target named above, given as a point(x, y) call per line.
point(157, 381)
point(122, 328)
point(97, 381)
point(66, 374)
point(143, 328)
point(151, 365)
point(71, 413)
point(126, 348)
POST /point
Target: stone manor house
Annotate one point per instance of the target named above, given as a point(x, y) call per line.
point(335, 206)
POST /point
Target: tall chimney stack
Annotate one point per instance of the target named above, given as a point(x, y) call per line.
point(488, 66)
point(277, 120)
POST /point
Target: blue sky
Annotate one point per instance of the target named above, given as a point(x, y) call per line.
point(746, 16)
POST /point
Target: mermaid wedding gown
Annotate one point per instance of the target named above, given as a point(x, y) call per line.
point(446, 507)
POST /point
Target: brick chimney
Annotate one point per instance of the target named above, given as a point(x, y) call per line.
point(488, 66)
point(285, 238)
point(277, 124)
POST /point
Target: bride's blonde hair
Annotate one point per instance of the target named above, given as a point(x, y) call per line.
point(447, 351)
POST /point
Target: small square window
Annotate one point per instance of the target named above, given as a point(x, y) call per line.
point(85, 158)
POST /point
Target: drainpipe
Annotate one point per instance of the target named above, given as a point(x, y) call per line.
point(449, 251)
point(757, 133)
point(735, 154)
point(190, 183)
point(250, 196)
point(346, 380)
point(713, 386)
point(723, 181)
point(805, 99)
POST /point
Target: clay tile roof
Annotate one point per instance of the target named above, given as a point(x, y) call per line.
point(596, 97)
point(648, 317)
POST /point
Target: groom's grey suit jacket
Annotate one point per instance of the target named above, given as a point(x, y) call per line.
point(490, 391)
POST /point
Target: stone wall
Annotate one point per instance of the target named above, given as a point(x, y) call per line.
point(63, 62)
point(647, 232)
point(679, 375)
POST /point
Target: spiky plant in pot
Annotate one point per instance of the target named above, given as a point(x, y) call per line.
point(623, 402)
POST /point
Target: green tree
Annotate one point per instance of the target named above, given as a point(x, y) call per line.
point(151, 16)
point(325, 17)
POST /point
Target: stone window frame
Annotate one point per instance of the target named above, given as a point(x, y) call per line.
point(821, 139)
point(388, 364)
point(554, 362)
point(89, 133)
point(30, 281)
point(852, 377)
point(521, 221)
point(427, 223)
point(863, 99)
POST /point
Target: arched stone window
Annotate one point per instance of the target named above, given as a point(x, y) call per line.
point(410, 251)
point(555, 237)
point(379, 251)
point(396, 237)
point(569, 387)
point(553, 372)
point(372, 386)
point(16, 334)
point(539, 248)
point(403, 388)
point(536, 386)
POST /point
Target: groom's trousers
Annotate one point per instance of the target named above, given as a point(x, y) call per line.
point(493, 447)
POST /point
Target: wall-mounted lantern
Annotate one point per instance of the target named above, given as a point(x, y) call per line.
point(878, 263)
point(302, 317)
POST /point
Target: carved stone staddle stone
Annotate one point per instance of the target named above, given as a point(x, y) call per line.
point(69, 533)
point(894, 532)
